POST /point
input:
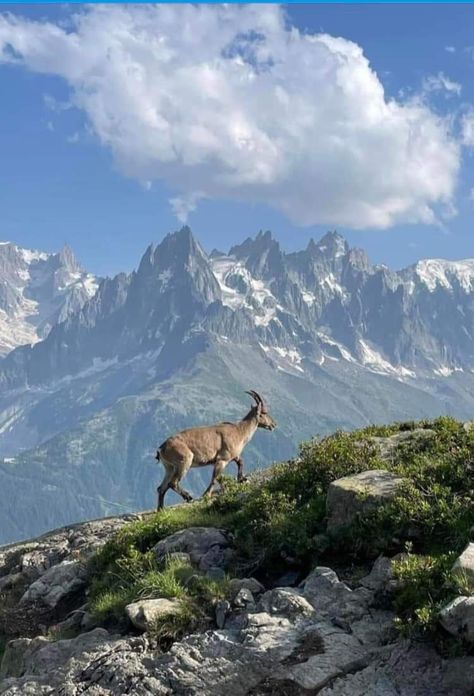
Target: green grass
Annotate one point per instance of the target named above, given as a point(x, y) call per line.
point(138, 576)
point(173, 626)
point(142, 535)
point(279, 520)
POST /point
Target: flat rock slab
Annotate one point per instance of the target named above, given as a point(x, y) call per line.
point(351, 496)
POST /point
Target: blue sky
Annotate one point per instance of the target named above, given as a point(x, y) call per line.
point(67, 177)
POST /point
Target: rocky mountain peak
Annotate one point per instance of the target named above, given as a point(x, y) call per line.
point(67, 260)
point(38, 290)
point(333, 244)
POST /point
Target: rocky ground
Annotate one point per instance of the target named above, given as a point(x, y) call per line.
point(321, 637)
point(316, 636)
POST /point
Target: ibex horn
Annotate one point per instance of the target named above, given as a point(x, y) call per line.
point(257, 398)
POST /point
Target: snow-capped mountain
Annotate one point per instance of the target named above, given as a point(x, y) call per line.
point(330, 339)
point(38, 290)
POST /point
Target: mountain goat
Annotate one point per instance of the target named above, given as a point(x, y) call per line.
point(215, 445)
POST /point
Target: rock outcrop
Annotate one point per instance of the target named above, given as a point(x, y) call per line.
point(322, 637)
point(351, 495)
point(42, 581)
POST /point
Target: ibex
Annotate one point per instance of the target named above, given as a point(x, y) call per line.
point(215, 445)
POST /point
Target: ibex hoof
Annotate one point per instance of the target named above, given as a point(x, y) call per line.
point(242, 479)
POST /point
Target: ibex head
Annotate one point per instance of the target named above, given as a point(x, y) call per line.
point(264, 419)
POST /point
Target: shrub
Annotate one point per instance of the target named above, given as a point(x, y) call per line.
point(425, 584)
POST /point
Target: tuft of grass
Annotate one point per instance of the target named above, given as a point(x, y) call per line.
point(107, 605)
point(463, 582)
point(173, 626)
point(139, 576)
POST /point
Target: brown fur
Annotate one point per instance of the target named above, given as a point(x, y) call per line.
point(215, 445)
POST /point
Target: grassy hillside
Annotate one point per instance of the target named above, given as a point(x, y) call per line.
point(278, 519)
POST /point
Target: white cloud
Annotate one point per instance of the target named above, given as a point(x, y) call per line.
point(184, 205)
point(54, 104)
point(450, 49)
point(226, 101)
point(441, 83)
point(467, 128)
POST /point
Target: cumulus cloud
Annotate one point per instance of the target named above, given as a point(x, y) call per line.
point(233, 102)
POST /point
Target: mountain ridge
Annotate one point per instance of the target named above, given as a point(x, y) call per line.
point(330, 340)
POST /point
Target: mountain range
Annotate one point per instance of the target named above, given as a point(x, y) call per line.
point(329, 339)
point(37, 291)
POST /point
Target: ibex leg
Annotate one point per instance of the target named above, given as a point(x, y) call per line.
point(186, 495)
point(162, 489)
point(218, 469)
point(240, 470)
point(176, 469)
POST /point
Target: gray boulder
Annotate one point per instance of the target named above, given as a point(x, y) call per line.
point(457, 618)
point(388, 445)
point(206, 546)
point(286, 601)
point(237, 584)
point(381, 577)
point(222, 612)
point(464, 564)
point(332, 598)
point(144, 613)
point(244, 600)
point(56, 583)
point(30, 656)
point(358, 494)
